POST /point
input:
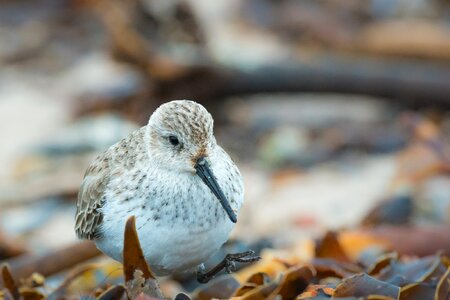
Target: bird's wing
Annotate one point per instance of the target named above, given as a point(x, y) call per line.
point(119, 157)
point(89, 216)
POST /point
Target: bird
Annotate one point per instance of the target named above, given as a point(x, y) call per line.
point(183, 188)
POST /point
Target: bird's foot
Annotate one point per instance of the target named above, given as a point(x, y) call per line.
point(228, 263)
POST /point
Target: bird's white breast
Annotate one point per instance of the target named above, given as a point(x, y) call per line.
point(179, 221)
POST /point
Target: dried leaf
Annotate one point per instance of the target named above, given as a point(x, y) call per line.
point(318, 292)
point(307, 295)
point(259, 278)
point(363, 285)
point(9, 283)
point(138, 276)
point(247, 287)
point(114, 292)
point(356, 242)
point(443, 287)
point(382, 262)
point(133, 257)
point(31, 294)
point(329, 291)
point(331, 268)
point(416, 291)
point(223, 288)
point(329, 247)
point(295, 281)
point(403, 273)
point(261, 292)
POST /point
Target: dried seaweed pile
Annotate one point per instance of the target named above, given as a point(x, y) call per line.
point(330, 274)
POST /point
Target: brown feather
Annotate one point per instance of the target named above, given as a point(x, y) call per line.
point(96, 179)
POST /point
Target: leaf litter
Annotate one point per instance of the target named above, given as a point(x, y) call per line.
point(330, 274)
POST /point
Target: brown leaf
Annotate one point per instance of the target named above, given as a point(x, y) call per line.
point(223, 288)
point(331, 268)
point(363, 285)
point(295, 281)
point(416, 291)
point(114, 292)
point(9, 283)
point(329, 247)
point(382, 262)
point(317, 292)
point(307, 295)
point(138, 276)
point(133, 257)
point(443, 287)
point(247, 287)
point(259, 278)
point(31, 294)
point(418, 270)
point(261, 292)
point(435, 273)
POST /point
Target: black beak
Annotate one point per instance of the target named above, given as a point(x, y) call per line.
point(204, 172)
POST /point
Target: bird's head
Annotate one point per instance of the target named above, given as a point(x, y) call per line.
point(180, 139)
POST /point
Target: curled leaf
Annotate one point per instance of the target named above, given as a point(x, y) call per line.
point(261, 292)
point(222, 288)
point(416, 291)
point(382, 262)
point(259, 278)
point(138, 276)
point(443, 287)
point(295, 281)
point(9, 283)
point(329, 247)
point(331, 268)
point(114, 292)
point(31, 294)
point(363, 285)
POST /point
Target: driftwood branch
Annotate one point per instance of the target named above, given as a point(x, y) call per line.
point(411, 82)
point(53, 262)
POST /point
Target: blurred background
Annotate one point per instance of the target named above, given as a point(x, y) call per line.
point(336, 112)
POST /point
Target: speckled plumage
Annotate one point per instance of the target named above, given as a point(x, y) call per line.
point(180, 221)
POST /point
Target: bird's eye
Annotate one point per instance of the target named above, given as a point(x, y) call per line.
point(174, 140)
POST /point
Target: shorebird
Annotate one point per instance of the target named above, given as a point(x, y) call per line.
point(182, 187)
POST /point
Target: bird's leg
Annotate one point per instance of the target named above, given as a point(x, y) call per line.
point(228, 263)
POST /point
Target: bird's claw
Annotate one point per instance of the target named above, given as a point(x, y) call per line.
point(228, 263)
point(244, 257)
point(230, 266)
